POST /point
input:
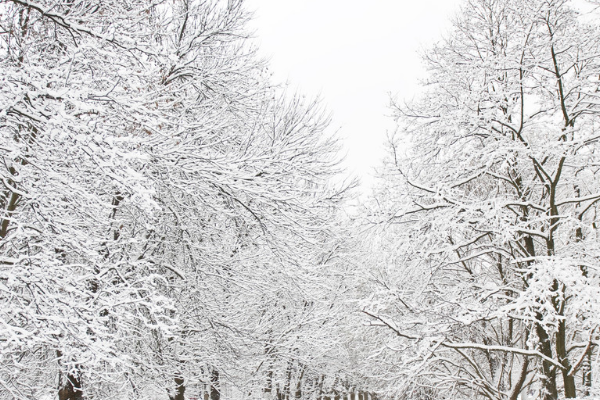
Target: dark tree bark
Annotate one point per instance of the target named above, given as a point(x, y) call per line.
point(215, 390)
point(69, 385)
point(180, 389)
point(561, 353)
point(548, 370)
point(70, 388)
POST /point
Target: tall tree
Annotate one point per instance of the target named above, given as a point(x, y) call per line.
point(490, 216)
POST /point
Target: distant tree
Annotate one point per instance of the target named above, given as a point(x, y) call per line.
point(488, 263)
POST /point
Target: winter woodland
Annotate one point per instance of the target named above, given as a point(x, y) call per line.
point(175, 225)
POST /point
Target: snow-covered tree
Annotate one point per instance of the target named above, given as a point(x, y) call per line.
point(167, 215)
point(74, 284)
point(488, 264)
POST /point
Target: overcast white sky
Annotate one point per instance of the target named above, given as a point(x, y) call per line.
point(353, 53)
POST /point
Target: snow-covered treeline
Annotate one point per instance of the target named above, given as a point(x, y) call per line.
point(168, 220)
point(170, 225)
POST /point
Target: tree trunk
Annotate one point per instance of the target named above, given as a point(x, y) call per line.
point(10, 209)
point(321, 380)
point(215, 390)
point(548, 379)
point(586, 378)
point(298, 392)
point(518, 388)
point(288, 381)
point(561, 353)
point(180, 389)
point(69, 385)
point(559, 301)
point(587, 373)
point(269, 385)
point(70, 389)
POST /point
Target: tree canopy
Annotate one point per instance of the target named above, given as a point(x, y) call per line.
point(173, 224)
point(489, 273)
point(167, 213)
